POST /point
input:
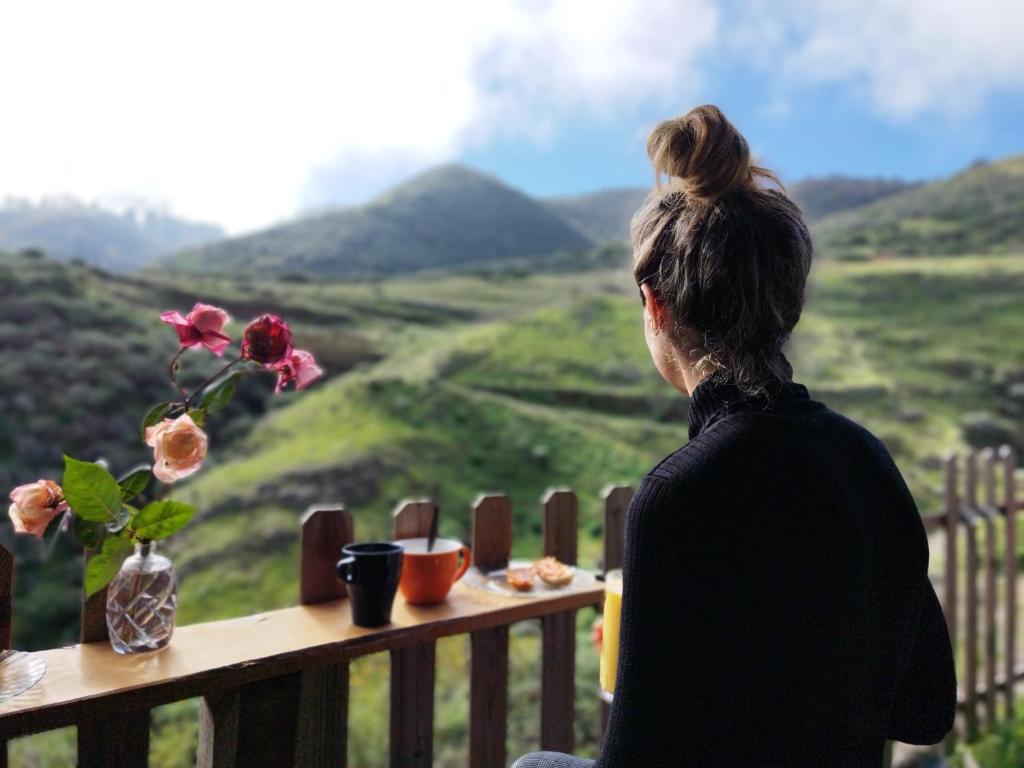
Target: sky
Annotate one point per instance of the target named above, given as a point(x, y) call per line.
point(247, 114)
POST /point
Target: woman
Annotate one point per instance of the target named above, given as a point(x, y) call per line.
point(776, 606)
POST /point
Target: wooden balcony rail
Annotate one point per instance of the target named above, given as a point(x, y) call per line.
point(274, 685)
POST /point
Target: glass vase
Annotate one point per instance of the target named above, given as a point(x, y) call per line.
point(142, 602)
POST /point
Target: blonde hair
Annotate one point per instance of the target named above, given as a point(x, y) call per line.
point(726, 254)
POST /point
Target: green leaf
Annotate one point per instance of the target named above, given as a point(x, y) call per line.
point(102, 566)
point(92, 492)
point(220, 393)
point(155, 414)
point(88, 533)
point(135, 482)
point(161, 518)
point(198, 416)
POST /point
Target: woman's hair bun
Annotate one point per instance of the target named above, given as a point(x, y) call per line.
point(702, 153)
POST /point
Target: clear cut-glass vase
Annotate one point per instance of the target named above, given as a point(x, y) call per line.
point(142, 602)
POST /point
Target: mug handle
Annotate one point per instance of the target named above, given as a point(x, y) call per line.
point(467, 557)
point(344, 567)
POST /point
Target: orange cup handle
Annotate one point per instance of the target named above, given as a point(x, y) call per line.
point(467, 557)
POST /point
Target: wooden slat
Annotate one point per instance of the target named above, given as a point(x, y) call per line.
point(412, 518)
point(253, 725)
point(558, 666)
point(987, 508)
point(412, 706)
point(91, 681)
point(1008, 465)
point(488, 698)
point(412, 669)
point(616, 502)
point(324, 531)
point(315, 697)
point(129, 730)
point(218, 730)
point(115, 742)
point(971, 617)
point(94, 612)
point(952, 500)
point(322, 739)
point(488, 680)
point(492, 531)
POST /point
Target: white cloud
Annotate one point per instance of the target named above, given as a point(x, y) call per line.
point(242, 112)
point(903, 58)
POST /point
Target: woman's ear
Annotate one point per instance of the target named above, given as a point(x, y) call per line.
point(654, 308)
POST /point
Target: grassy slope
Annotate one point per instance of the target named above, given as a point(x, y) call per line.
point(457, 404)
point(977, 211)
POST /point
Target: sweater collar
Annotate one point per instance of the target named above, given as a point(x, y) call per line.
point(717, 395)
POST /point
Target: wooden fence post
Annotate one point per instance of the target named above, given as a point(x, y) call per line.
point(488, 682)
point(558, 669)
point(1008, 463)
point(949, 602)
point(412, 669)
point(971, 619)
point(118, 741)
point(296, 719)
point(616, 502)
point(987, 509)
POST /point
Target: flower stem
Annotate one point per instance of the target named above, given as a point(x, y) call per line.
point(173, 371)
point(208, 382)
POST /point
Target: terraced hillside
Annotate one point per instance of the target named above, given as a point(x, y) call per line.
point(980, 210)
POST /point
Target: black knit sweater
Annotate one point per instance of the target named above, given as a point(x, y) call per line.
point(776, 604)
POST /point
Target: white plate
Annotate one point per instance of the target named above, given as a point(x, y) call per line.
point(494, 581)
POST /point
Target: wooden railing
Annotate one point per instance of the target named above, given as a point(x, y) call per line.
point(981, 500)
point(275, 685)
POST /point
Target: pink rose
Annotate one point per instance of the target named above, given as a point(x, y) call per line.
point(179, 447)
point(202, 327)
point(35, 505)
point(267, 340)
point(299, 367)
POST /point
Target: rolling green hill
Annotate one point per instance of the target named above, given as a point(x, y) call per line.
point(819, 197)
point(448, 217)
point(980, 210)
point(113, 241)
point(605, 215)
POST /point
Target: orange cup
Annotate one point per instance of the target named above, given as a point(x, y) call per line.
point(427, 577)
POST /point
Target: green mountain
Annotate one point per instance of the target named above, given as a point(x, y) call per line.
point(818, 197)
point(450, 217)
point(604, 216)
point(115, 241)
point(980, 210)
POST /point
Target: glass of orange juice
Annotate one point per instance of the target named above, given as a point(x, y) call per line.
point(610, 631)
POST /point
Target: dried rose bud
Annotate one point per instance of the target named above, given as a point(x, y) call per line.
point(267, 340)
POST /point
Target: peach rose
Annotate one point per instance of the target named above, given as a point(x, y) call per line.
point(179, 447)
point(35, 505)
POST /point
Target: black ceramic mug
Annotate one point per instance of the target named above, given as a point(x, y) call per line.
point(371, 572)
